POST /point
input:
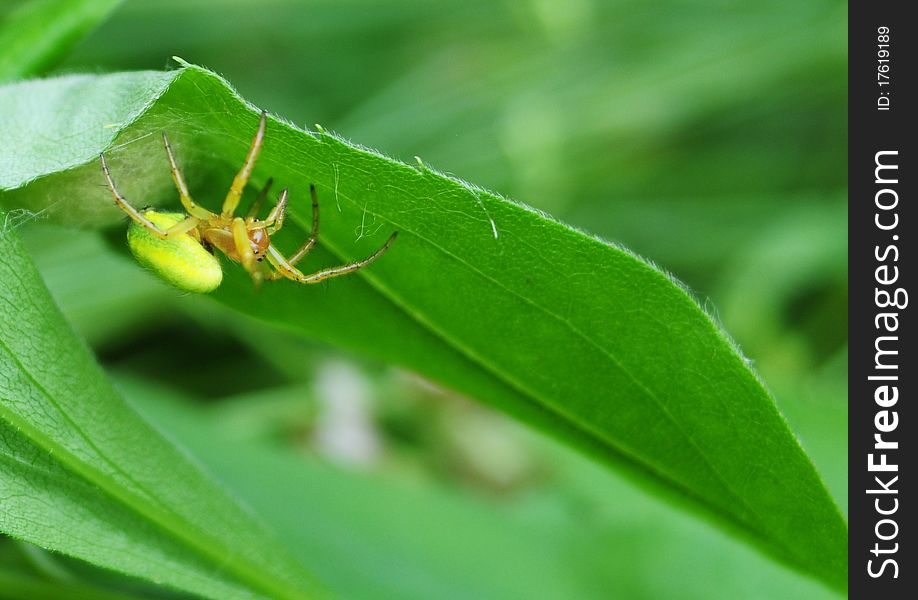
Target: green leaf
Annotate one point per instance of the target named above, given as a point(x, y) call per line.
point(15, 586)
point(565, 539)
point(573, 335)
point(81, 473)
point(35, 35)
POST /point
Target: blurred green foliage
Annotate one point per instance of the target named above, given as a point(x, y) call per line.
point(708, 136)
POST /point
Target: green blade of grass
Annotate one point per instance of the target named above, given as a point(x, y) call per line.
point(573, 335)
point(81, 473)
point(38, 33)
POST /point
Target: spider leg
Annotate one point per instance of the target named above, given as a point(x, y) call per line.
point(183, 226)
point(277, 214)
point(313, 235)
point(244, 249)
point(193, 209)
point(275, 218)
point(289, 271)
point(235, 191)
point(278, 270)
point(177, 229)
point(282, 267)
point(260, 200)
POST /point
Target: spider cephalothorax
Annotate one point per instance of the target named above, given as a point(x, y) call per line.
point(179, 247)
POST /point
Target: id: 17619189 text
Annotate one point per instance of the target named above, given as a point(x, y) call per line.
point(884, 99)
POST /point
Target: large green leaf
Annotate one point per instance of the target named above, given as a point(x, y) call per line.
point(82, 474)
point(573, 335)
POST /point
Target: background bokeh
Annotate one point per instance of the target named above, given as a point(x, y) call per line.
point(706, 135)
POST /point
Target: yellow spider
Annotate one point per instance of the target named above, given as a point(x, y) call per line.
point(179, 247)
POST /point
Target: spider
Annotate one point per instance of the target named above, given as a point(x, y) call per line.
point(179, 247)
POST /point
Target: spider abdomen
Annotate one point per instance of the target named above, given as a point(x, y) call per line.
point(181, 260)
